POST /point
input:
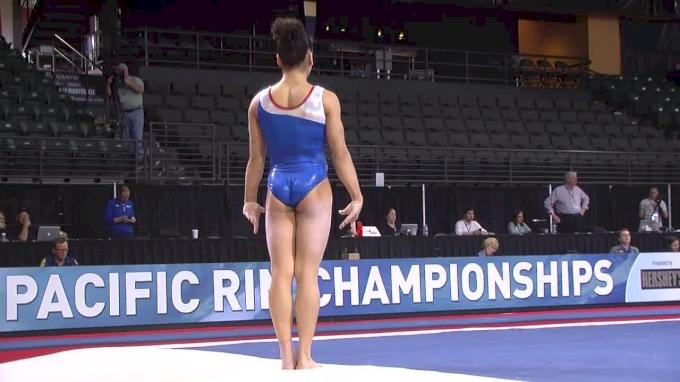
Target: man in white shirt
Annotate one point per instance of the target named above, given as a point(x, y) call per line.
point(567, 204)
point(468, 226)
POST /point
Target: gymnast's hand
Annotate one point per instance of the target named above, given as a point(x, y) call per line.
point(252, 211)
point(352, 212)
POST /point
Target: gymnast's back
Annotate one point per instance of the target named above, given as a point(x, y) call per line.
point(295, 138)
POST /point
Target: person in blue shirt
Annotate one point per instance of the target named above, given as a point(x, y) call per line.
point(120, 215)
point(624, 243)
point(59, 257)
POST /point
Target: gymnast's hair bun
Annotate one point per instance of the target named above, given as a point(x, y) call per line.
point(292, 42)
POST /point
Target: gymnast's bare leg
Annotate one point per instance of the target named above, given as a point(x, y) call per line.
point(297, 237)
point(312, 227)
point(280, 229)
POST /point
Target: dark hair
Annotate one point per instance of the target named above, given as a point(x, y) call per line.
point(516, 213)
point(292, 42)
point(670, 240)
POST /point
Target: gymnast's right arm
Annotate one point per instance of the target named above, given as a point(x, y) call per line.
point(255, 167)
point(335, 134)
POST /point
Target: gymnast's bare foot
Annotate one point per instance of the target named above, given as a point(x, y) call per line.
point(307, 363)
point(288, 357)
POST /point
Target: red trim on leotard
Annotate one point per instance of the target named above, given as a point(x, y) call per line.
point(294, 107)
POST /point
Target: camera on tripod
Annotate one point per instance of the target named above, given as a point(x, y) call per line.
point(119, 80)
point(116, 112)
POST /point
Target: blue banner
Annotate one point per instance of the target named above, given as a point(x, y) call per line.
point(107, 296)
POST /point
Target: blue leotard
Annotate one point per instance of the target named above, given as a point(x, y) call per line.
point(295, 139)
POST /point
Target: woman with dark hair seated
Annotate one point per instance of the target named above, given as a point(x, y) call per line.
point(517, 226)
point(389, 226)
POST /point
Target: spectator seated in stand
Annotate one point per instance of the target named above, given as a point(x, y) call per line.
point(624, 243)
point(59, 256)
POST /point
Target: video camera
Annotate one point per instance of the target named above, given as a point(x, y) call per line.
point(118, 79)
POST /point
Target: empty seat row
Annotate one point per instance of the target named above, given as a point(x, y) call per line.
point(472, 101)
point(42, 113)
point(64, 158)
point(48, 129)
point(497, 139)
point(610, 125)
point(18, 146)
point(208, 101)
point(210, 89)
point(477, 113)
point(512, 127)
point(390, 117)
point(419, 126)
point(40, 97)
point(33, 80)
point(510, 142)
point(204, 116)
point(196, 102)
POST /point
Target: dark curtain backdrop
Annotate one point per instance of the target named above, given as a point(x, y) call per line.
point(207, 15)
point(427, 25)
point(216, 210)
point(642, 53)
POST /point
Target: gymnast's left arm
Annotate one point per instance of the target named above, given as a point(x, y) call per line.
point(255, 167)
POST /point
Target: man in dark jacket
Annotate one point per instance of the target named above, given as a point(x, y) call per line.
point(59, 257)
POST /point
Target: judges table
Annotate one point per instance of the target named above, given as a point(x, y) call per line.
point(169, 251)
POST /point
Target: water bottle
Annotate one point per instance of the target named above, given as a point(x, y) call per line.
point(425, 231)
point(3, 238)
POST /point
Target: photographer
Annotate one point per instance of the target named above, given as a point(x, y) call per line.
point(129, 90)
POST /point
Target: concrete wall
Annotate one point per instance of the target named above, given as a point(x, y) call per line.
point(10, 21)
point(177, 75)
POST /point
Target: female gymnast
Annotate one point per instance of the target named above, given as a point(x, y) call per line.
point(291, 122)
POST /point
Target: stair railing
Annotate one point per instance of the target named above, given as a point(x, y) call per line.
point(92, 47)
point(85, 62)
point(31, 12)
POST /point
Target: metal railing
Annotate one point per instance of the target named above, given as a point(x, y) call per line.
point(74, 160)
point(75, 60)
point(198, 157)
point(351, 59)
point(81, 63)
point(437, 165)
point(183, 151)
point(31, 11)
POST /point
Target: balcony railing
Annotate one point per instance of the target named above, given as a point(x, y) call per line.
point(202, 159)
point(157, 47)
point(77, 160)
